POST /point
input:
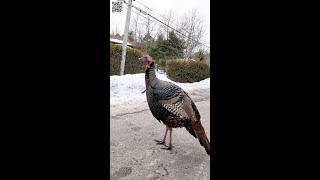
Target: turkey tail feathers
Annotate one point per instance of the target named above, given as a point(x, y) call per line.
point(199, 131)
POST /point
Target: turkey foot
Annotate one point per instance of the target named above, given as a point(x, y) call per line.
point(170, 145)
point(167, 148)
point(164, 138)
point(161, 142)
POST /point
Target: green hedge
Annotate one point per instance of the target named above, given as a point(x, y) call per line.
point(133, 64)
point(187, 71)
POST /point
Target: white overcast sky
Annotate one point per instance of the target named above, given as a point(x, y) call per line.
point(117, 20)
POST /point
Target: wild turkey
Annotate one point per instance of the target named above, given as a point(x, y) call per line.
point(172, 105)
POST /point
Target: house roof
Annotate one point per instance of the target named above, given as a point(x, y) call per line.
point(115, 37)
point(119, 41)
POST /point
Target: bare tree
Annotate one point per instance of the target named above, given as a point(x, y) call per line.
point(200, 55)
point(117, 30)
point(168, 19)
point(191, 25)
point(150, 26)
point(136, 28)
point(149, 31)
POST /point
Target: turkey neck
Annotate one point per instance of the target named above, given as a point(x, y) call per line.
point(150, 74)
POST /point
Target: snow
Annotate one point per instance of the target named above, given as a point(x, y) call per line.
point(127, 90)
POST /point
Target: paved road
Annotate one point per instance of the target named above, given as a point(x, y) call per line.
point(135, 156)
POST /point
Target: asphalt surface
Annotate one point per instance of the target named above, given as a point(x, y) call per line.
point(135, 156)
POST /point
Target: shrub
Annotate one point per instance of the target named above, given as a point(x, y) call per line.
point(133, 64)
point(187, 71)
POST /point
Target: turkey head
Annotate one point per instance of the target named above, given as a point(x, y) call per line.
point(147, 59)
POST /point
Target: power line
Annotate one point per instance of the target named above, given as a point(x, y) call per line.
point(171, 22)
point(141, 11)
point(163, 16)
point(120, 15)
point(166, 24)
point(138, 13)
point(150, 9)
point(176, 46)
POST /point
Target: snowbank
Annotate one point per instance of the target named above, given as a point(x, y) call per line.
point(127, 89)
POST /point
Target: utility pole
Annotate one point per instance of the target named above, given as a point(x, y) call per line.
point(125, 39)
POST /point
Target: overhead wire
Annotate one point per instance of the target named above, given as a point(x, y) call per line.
point(148, 14)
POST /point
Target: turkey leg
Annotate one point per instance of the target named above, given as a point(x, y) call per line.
point(170, 138)
point(164, 138)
